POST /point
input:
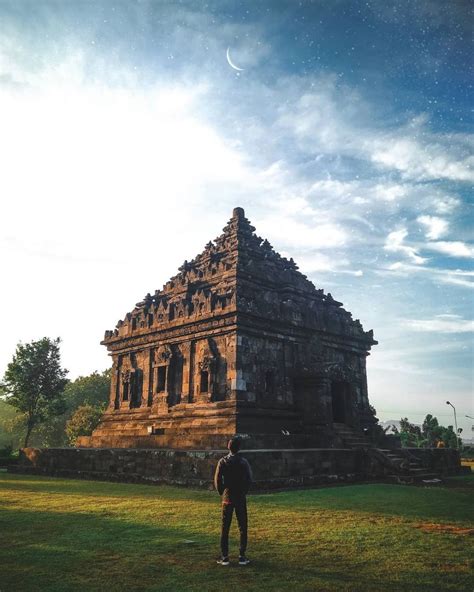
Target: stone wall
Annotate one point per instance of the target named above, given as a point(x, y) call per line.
point(284, 468)
point(271, 468)
point(438, 460)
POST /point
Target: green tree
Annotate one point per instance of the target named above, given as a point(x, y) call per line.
point(427, 435)
point(410, 434)
point(449, 438)
point(7, 413)
point(431, 430)
point(85, 390)
point(51, 433)
point(34, 382)
point(88, 390)
point(83, 422)
point(12, 429)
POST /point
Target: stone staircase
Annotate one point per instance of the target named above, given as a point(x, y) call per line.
point(350, 437)
point(407, 469)
point(400, 466)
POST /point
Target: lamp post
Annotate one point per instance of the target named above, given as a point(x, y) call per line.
point(455, 422)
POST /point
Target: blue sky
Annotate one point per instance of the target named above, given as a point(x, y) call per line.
point(127, 139)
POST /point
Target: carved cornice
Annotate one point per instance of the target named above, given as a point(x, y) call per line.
point(340, 371)
point(217, 326)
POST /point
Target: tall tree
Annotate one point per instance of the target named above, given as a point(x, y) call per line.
point(34, 382)
point(410, 434)
point(450, 439)
point(432, 431)
point(88, 390)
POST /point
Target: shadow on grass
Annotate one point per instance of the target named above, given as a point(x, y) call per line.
point(69, 552)
point(72, 551)
point(61, 551)
point(88, 552)
point(447, 504)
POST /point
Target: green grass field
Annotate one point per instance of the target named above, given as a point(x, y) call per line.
point(70, 535)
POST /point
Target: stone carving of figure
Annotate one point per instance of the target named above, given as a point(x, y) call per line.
point(206, 364)
point(163, 355)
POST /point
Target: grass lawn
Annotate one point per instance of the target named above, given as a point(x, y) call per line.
point(70, 535)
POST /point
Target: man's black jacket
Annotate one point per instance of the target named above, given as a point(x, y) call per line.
point(233, 477)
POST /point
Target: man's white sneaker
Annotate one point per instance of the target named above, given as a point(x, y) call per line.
point(244, 561)
point(223, 561)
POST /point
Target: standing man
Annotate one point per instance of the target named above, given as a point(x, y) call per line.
point(232, 480)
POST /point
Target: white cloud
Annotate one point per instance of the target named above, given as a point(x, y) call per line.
point(390, 192)
point(317, 261)
point(395, 244)
point(445, 204)
point(441, 324)
point(334, 188)
point(331, 119)
point(451, 248)
point(416, 160)
point(96, 154)
point(322, 262)
point(436, 227)
point(456, 281)
point(301, 234)
point(455, 277)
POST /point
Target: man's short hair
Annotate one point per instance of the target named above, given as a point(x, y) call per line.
point(234, 444)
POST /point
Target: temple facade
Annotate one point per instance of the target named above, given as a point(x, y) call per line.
point(238, 342)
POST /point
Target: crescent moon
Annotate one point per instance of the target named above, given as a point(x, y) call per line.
point(231, 64)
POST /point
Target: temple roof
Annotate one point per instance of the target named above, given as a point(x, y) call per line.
point(237, 271)
point(238, 248)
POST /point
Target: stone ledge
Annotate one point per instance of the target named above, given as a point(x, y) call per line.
point(272, 468)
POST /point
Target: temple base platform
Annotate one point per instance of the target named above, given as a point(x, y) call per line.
point(272, 468)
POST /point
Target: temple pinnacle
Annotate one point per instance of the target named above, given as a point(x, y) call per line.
point(238, 213)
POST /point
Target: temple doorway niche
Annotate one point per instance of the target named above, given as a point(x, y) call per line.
point(204, 381)
point(175, 381)
point(339, 394)
point(161, 378)
point(307, 400)
point(136, 388)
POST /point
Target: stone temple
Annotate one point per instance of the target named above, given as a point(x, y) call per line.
point(238, 342)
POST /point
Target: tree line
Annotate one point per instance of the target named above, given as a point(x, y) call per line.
point(51, 410)
point(429, 435)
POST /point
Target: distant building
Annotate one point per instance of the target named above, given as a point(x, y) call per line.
point(238, 342)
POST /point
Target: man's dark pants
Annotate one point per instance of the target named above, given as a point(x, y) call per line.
point(240, 506)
